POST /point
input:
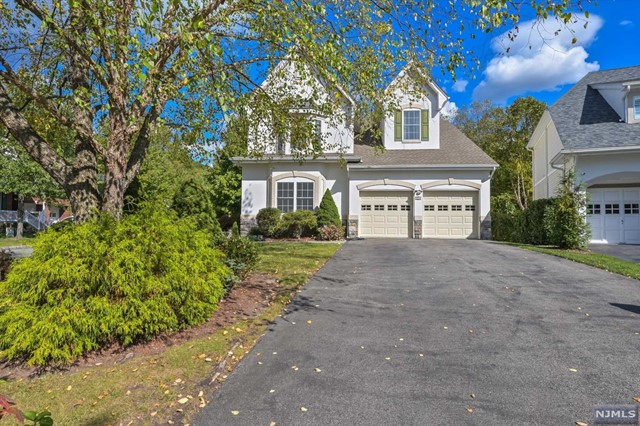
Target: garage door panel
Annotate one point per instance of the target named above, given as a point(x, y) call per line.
point(450, 214)
point(389, 215)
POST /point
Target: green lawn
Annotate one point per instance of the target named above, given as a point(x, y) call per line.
point(11, 242)
point(146, 389)
point(597, 260)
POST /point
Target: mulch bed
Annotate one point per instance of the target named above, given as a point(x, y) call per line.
point(244, 301)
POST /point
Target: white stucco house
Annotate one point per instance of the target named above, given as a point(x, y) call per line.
point(422, 178)
point(595, 129)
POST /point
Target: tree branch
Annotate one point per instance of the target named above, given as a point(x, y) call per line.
point(31, 141)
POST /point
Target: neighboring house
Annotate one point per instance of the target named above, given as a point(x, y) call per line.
point(595, 129)
point(45, 212)
point(430, 181)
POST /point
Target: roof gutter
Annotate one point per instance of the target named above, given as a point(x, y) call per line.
point(426, 166)
point(610, 150)
point(332, 159)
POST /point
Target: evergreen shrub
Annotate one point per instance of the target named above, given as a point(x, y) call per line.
point(328, 214)
point(268, 220)
point(301, 223)
point(106, 282)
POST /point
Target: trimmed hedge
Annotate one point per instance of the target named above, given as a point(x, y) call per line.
point(108, 281)
point(268, 220)
point(301, 223)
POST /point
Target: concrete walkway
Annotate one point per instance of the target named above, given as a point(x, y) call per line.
point(432, 332)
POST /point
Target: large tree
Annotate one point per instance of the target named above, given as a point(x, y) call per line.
point(503, 132)
point(108, 71)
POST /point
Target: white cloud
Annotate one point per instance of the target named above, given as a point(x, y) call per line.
point(460, 86)
point(449, 110)
point(538, 59)
point(626, 22)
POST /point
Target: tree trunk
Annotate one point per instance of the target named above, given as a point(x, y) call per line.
point(20, 215)
point(114, 188)
point(82, 184)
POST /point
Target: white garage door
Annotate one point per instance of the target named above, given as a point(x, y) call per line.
point(385, 214)
point(450, 214)
point(614, 215)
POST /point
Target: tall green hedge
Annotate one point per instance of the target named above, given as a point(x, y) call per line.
point(101, 282)
point(556, 221)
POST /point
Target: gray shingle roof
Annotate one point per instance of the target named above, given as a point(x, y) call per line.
point(456, 149)
point(584, 119)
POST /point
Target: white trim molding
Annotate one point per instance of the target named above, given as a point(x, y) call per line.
point(449, 182)
point(386, 182)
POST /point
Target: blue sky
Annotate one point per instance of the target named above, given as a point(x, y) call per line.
point(552, 64)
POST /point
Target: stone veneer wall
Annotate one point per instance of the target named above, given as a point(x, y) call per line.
point(246, 223)
point(485, 228)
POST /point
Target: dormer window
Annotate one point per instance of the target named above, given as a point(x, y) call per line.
point(636, 107)
point(411, 125)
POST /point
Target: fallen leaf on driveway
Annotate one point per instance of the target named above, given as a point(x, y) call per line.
point(303, 409)
point(473, 396)
point(579, 423)
point(469, 410)
point(317, 370)
point(387, 358)
point(309, 321)
point(446, 328)
point(637, 399)
point(235, 412)
point(573, 370)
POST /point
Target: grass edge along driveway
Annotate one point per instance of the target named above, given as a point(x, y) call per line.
point(597, 260)
point(173, 385)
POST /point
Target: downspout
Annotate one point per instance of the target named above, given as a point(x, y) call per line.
point(626, 91)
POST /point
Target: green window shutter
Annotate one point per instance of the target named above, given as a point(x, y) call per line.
point(424, 118)
point(397, 125)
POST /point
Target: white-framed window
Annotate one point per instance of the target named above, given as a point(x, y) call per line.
point(365, 207)
point(405, 208)
point(470, 208)
point(281, 144)
point(443, 208)
point(294, 196)
point(429, 208)
point(411, 124)
point(392, 207)
point(636, 107)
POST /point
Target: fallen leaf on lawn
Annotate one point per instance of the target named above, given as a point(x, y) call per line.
point(69, 387)
point(183, 400)
point(637, 399)
point(317, 370)
point(579, 423)
point(134, 370)
point(103, 394)
point(303, 409)
point(128, 392)
point(166, 392)
point(239, 330)
point(224, 333)
point(469, 410)
point(235, 412)
point(573, 370)
point(153, 413)
point(208, 360)
point(202, 403)
point(202, 356)
point(200, 394)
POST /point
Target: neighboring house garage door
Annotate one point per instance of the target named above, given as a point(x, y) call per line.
point(614, 215)
point(451, 214)
point(385, 214)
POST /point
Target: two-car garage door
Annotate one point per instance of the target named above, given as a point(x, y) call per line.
point(450, 214)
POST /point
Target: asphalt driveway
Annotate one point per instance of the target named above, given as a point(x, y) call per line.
point(433, 332)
